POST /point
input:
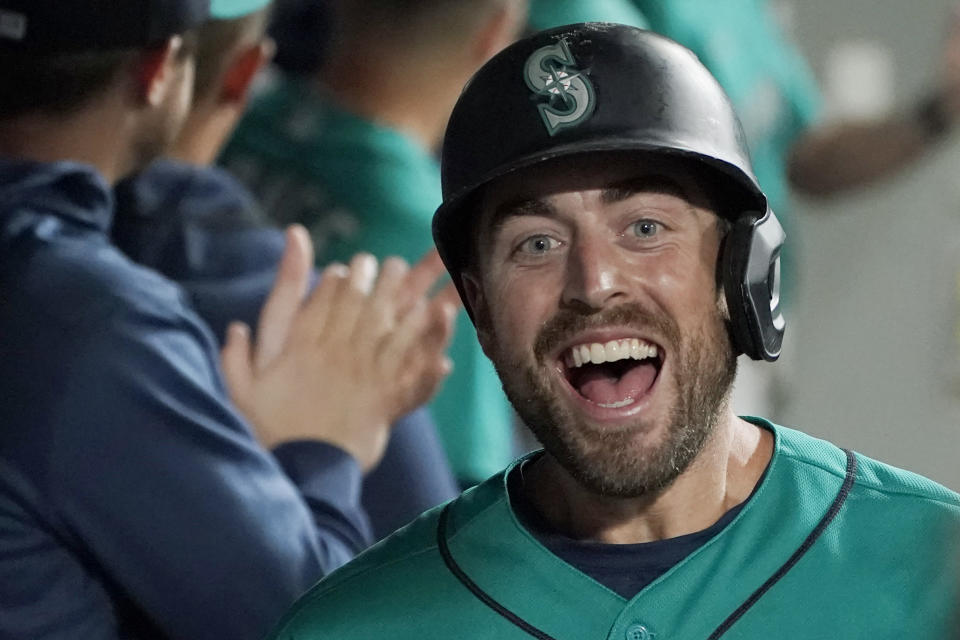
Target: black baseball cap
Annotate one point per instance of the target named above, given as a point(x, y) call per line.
point(53, 26)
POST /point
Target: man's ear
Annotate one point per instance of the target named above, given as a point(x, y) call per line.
point(157, 70)
point(477, 304)
point(501, 29)
point(238, 78)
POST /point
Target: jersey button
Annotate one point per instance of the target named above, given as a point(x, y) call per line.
point(637, 631)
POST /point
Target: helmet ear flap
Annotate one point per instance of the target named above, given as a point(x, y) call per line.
point(749, 270)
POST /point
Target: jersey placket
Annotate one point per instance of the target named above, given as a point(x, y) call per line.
point(700, 597)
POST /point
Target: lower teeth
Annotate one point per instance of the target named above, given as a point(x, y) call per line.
point(615, 405)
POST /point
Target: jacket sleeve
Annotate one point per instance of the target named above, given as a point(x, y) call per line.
point(166, 489)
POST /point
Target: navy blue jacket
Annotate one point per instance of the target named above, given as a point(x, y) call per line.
point(134, 500)
point(203, 229)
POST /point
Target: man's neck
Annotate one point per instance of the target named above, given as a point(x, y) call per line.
point(95, 136)
point(722, 476)
point(205, 132)
point(413, 98)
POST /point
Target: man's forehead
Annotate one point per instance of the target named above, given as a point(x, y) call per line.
point(616, 176)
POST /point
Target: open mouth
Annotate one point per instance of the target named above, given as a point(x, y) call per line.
point(613, 374)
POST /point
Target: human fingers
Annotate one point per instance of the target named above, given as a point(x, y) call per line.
point(346, 309)
point(236, 363)
point(426, 384)
point(430, 351)
point(444, 309)
point(310, 323)
point(393, 361)
point(422, 277)
point(425, 333)
point(379, 315)
point(444, 320)
point(286, 296)
point(436, 337)
point(414, 360)
point(317, 307)
point(448, 296)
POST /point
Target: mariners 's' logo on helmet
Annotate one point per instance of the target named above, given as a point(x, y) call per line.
point(551, 71)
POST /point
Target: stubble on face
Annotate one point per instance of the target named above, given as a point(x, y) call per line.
point(618, 462)
point(161, 126)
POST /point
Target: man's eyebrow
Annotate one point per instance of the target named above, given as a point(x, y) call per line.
point(620, 191)
point(519, 207)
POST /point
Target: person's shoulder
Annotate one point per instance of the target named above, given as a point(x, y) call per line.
point(382, 175)
point(894, 483)
point(75, 284)
point(406, 545)
point(331, 133)
point(336, 605)
point(58, 264)
point(870, 478)
point(175, 193)
point(193, 223)
point(403, 573)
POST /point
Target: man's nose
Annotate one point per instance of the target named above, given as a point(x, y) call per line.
point(594, 277)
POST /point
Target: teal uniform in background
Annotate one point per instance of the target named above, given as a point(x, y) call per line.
point(545, 14)
point(769, 83)
point(830, 545)
point(360, 186)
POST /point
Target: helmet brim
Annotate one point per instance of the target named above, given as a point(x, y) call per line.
point(453, 229)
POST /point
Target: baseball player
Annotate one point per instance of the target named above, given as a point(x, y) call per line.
point(349, 152)
point(197, 225)
point(135, 499)
point(616, 253)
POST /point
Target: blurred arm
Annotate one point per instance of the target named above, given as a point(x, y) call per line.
point(835, 157)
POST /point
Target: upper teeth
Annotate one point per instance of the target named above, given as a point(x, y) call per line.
point(612, 351)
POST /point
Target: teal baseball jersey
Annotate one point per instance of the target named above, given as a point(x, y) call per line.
point(832, 545)
point(361, 186)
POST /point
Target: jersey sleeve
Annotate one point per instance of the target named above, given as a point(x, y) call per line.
point(414, 459)
point(174, 500)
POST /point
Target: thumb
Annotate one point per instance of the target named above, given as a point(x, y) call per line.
point(283, 303)
point(236, 362)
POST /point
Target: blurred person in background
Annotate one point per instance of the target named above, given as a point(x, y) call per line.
point(349, 152)
point(135, 499)
point(776, 96)
point(200, 227)
point(794, 149)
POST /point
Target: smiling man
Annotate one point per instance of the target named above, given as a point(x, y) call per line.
point(630, 366)
point(616, 253)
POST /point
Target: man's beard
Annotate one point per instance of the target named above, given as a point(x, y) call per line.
point(161, 125)
point(609, 461)
point(154, 139)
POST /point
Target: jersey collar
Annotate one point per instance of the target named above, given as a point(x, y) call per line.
point(507, 562)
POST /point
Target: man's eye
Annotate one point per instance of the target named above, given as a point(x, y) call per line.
point(646, 228)
point(538, 245)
